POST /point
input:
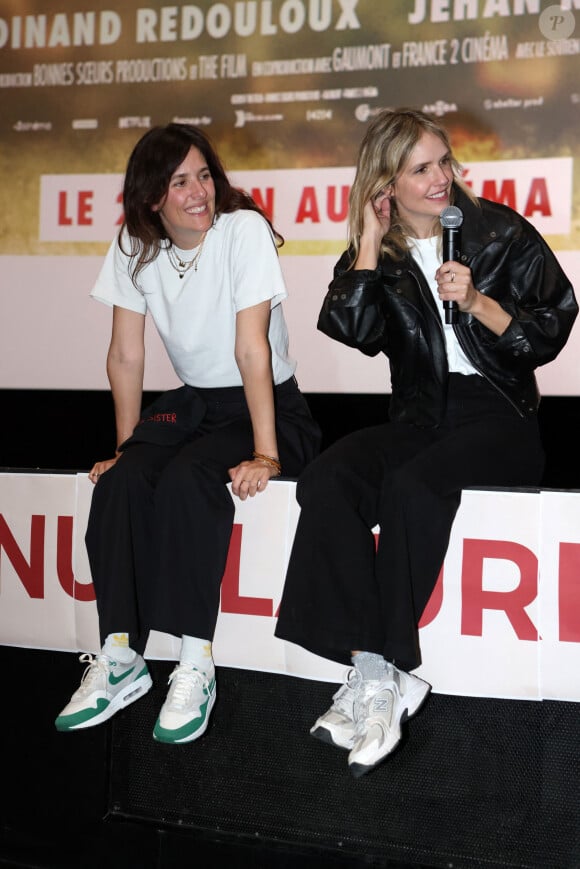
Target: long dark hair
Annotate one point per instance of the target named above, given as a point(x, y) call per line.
point(151, 166)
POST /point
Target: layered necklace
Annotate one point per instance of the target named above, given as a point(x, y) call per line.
point(183, 266)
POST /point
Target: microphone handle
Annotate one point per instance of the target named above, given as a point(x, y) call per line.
point(450, 252)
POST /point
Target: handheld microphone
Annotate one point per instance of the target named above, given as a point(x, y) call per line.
point(451, 219)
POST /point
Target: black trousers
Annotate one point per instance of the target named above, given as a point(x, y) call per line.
point(342, 591)
point(161, 518)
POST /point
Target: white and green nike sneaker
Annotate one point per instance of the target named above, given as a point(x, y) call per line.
point(185, 714)
point(106, 687)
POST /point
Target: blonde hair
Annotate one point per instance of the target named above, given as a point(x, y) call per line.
point(384, 152)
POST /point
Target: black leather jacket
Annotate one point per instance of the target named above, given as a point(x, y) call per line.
point(392, 310)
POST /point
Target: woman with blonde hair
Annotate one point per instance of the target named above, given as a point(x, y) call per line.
point(463, 412)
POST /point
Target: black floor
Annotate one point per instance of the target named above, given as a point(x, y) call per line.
point(128, 845)
point(60, 792)
point(476, 784)
point(481, 784)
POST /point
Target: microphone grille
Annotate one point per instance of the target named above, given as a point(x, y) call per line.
point(451, 217)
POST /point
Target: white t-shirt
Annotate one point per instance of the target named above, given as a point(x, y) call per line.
point(196, 315)
point(424, 252)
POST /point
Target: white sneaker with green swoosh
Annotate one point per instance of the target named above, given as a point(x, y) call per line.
point(185, 714)
point(106, 687)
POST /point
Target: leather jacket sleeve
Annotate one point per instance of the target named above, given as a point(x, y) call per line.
point(521, 272)
point(352, 310)
point(391, 310)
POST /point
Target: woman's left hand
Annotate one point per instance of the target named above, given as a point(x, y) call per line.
point(250, 477)
point(454, 284)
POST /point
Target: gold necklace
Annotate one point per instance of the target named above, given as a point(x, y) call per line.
point(183, 266)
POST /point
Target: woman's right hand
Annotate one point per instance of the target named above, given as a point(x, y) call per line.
point(376, 223)
point(99, 468)
point(377, 214)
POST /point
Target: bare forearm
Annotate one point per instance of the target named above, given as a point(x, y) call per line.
point(455, 284)
point(376, 223)
point(368, 255)
point(256, 371)
point(126, 379)
point(490, 313)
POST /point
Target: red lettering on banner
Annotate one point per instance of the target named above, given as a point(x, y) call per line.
point(538, 199)
point(83, 591)
point(63, 218)
point(341, 213)
point(121, 217)
point(475, 599)
point(569, 597)
point(506, 195)
point(308, 206)
point(31, 574)
point(231, 599)
point(266, 202)
point(85, 207)
point(431, 611)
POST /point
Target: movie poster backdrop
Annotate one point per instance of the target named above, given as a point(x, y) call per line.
point(285, 89)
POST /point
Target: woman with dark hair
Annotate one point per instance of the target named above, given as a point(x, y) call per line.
point(463, 412)
point(201, 257)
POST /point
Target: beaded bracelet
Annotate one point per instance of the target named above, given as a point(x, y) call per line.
point(270, 461)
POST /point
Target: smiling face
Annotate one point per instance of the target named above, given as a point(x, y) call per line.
point(422, 188)
point(187, 210)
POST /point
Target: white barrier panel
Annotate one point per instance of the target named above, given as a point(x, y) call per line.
point(503, 620)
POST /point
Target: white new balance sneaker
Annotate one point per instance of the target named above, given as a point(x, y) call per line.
point(106, 687)
point(185, 714)
point(337, 725)
point(381, 707)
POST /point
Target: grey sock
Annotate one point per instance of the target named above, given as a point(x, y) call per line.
point(371, 666)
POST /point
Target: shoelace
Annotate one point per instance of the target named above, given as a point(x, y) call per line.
point(183, 680)
point(98, 665)
point(342, 699)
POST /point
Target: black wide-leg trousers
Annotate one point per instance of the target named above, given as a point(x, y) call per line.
point(343, 592)
point(161, 518)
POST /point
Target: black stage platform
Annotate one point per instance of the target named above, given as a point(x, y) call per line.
point(476, 782)
point(479, 783)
